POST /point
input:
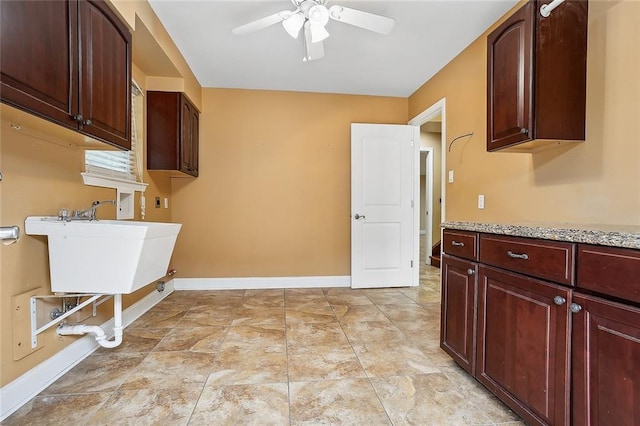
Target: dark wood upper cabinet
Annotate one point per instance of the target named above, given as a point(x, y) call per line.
point(68, 62)
point(536, 77)
point(172, 133)
point(105, 74)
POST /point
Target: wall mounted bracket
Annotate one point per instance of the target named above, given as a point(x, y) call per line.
point(37, 317)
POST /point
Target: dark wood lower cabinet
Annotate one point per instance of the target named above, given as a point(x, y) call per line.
point(523, 344)
point(554, 326)
point(605, 362)
point(459, 281)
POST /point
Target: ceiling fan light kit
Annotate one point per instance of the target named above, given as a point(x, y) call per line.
point(294, 24)
point(313, 16)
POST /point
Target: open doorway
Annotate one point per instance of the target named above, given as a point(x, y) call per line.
point(431, 191)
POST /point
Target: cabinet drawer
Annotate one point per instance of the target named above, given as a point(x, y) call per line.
point(460, 243)
point(550, 260)
point(611, 271)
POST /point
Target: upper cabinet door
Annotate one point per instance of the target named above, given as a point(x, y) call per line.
point(195, 141)
point(172, 134)
point(509, 80)
point(186, 135)
point(39, 58)
point(536, 78)
point(105, 75)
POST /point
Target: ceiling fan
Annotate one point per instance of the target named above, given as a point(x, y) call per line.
point(313, 16)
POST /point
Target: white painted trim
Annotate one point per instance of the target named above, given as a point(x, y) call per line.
point(428, 194)
point(423, 232)
point(103, 181)
point(439, 107)
point(20, 391)
point(415, 279)
point(254, 283)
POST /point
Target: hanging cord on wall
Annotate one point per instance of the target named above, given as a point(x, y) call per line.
point(459, 137)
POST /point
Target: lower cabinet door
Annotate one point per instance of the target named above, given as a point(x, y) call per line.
point(459, 281)
point(522, 338)
point(605, 362)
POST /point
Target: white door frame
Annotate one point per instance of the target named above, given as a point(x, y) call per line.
point(425, 116)
point(428, 198)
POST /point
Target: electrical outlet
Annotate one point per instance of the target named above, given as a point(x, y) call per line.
point(450, 176)
point(166, 203)
point(481, 201)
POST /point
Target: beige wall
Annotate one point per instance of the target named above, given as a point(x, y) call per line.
point(273, 195)
point(597, 181)
point(40, 177)
point(41, 174)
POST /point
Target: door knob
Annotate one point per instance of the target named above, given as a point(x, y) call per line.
point(358, 216)
point(559, 300)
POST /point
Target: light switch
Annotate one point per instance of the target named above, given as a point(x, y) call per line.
point(481, 201)
point(450, 176)
point(166, 203)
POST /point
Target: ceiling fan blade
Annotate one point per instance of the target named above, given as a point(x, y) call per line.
point(262, 23)
point(313, 51)
point(368, 21)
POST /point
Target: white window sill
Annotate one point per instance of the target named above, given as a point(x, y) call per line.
point(122, 185)
point(124, 191)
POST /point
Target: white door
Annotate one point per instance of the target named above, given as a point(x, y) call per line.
point(384, 216)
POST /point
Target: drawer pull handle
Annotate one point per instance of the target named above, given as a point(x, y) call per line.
point(471, 271)
point(559, 300)
point(523, 256)
point(457, 243)
point(575, 308)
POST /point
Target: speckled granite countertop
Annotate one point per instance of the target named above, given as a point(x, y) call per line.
point(607, 235)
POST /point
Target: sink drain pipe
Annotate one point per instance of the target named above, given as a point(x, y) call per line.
point(100, 335)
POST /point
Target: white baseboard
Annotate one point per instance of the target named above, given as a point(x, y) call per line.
point(260, 283)
point(20, 391)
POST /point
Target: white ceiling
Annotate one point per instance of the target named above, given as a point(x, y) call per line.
point(426, 36)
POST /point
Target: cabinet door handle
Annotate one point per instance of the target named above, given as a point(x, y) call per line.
point(471, 271)
point(524, 130)
point(559, 300)
point(575, 308)
point(457, 243)
point(86, 122)
point(78, 118)
point(523, 256)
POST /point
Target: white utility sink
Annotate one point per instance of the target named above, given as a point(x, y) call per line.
point(105, 256)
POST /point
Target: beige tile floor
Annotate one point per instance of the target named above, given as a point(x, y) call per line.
point(275, 357)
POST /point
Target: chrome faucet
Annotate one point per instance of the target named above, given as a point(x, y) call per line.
point(86, 214)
